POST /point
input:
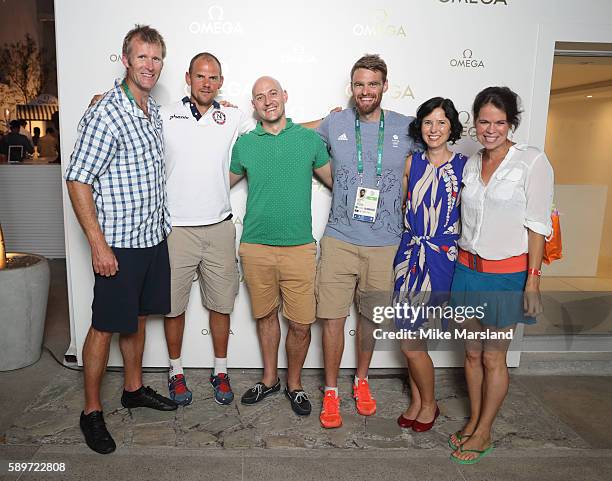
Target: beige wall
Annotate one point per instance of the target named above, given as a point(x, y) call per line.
point(578, 143)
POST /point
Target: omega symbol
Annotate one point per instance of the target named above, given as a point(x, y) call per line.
point(382, 16)
point(215, 12)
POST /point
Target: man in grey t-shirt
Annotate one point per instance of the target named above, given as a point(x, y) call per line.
point(368, 147)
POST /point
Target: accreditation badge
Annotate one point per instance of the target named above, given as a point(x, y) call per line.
point(366, 203)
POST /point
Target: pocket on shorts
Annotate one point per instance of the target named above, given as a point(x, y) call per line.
point(312, 248)
point(317, 274)
point(231, 227)
point(242, 250)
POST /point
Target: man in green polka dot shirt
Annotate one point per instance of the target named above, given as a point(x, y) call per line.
point(277, 249)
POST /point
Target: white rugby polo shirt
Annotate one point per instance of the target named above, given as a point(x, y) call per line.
point(198, 153)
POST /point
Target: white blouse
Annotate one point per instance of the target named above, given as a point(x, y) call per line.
point(495, 217)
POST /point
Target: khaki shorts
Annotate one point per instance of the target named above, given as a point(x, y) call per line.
point(210, 252)
point(273, 273)
point(348, 272)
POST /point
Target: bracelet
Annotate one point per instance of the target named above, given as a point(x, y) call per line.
point(534, 272)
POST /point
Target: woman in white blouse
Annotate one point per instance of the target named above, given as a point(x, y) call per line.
point(505, 216)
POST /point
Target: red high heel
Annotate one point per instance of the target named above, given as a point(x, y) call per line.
point(404, 422)
point(420, 427)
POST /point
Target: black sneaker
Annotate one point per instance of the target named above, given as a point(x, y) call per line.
point(146, 397)
point(299, 401)
point(96, 435)
point(258, 392)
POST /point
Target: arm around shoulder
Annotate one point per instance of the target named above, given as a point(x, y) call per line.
point(315, 124)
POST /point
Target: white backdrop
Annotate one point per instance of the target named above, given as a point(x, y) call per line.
point(451, 48)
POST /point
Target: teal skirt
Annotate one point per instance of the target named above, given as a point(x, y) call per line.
point(497, 299)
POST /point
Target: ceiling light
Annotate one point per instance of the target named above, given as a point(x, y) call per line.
point(589, 96)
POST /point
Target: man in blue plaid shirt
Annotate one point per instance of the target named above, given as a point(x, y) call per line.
point(116, 182)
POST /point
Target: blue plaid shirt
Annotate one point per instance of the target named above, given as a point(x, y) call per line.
point(120, 153)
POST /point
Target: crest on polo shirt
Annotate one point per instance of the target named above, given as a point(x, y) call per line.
point(218, 117)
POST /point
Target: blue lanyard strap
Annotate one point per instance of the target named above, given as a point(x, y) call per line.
point(381, 140)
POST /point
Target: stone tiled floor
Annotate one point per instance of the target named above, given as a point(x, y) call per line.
point(52, 417)
point(540, 433)
point(551, 427)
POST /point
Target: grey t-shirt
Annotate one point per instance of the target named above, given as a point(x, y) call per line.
point(338, 131)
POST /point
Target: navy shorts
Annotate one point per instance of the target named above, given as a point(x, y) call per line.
point(140, 287)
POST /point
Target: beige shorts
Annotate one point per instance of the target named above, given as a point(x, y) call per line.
point(209, 252)
point(348, 272)
point(273, 273)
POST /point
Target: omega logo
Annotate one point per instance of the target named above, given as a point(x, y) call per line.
point(206, 332)
point(400, 92)
point(298, 55)
point(216, 25)
point(467, 61)
point(477, 2)
point(215, 12)
point(382, 27)
point(395, 91)
point(468, 130)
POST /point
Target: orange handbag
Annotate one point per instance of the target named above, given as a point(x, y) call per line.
point(553, 249)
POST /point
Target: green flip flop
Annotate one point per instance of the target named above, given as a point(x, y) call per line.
point(481, 454)
point(459, 437)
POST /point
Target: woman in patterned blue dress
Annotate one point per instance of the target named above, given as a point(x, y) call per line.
point(425, 260)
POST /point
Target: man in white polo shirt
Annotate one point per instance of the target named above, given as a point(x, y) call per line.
point(199, 135)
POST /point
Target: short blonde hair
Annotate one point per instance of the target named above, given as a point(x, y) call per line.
point(146, 34)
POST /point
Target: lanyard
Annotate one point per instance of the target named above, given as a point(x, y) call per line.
point(381, 139)
point(130, 96)
point(126, 89)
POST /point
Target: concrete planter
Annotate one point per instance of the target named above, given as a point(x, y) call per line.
point(24, 288)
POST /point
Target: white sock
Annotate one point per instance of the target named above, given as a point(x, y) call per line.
point(330, 388)
point(220, 365)
point(176, 367)
point(356, 381)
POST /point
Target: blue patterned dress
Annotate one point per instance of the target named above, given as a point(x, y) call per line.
point(425, 260)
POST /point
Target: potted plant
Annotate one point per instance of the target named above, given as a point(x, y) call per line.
point(24, 288)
